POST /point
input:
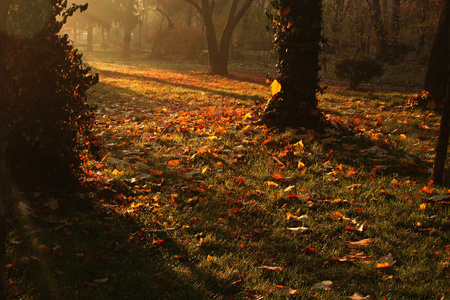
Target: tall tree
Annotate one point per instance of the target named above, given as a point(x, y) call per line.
point(442, 39)
point(219, 52)
point(4, 7)
point(436, 77)
point(128, 26)
point(380, 30)
point(298, 25)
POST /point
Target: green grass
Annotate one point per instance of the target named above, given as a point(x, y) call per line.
point(191, 199)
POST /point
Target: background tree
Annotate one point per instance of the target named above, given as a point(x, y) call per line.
point(298, 25)
point(219, 52)
point(437, 73)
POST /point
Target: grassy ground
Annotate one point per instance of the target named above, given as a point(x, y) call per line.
point(193, 200)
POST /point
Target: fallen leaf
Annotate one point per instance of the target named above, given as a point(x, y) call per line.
point(427, 190)
point(271, 183)
point(324, 285)
point(116, 172)
point(103, 280)
point(278, 176)
point(24, 208)
point(285, 290)
point(437, 198)
point(360, 244)
point(336, 216)
point(269, 268)
point(358, 296)
point(298, 229)
point(53, 204)
point(173, 163)
point(385, 261)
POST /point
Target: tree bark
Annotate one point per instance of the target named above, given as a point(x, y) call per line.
point(4, 97)
point(444, 129)
point(395, 29)
point(382, 47)
point(297, 41)
point(436, 77)
point(90, 34)
point(128, 27)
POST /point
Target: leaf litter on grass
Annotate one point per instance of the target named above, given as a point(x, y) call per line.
point(219, 197)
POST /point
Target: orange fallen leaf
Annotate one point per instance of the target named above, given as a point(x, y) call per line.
point(423, 206)
point(278, 176)
point(173, 163)
point(336, 216)
point(385, 261)
point(427, 190)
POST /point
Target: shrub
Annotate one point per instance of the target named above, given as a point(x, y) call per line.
point(357, 69)
point(50, 121)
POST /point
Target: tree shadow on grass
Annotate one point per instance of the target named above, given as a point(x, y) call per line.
point(83, 250)
point(143, 78)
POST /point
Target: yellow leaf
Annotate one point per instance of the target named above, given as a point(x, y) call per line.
point(205, 169)
point(275, 87)
point(402, 136)
point(300, 165)
point(271, 183)
point(117, 172)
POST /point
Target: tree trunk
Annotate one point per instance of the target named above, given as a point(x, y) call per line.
point(128, 27)
point(421, 41)
point(90, 34)
point(395, 30)
point(297, 41)
point(104, 43)
point(436, 77)
point(219, 54)
point(382, 47)
point(442, 143)
point(444, 129)
point(4, 97)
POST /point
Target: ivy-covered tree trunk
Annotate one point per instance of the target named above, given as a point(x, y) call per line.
point(4, 7)
point(297, 37)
